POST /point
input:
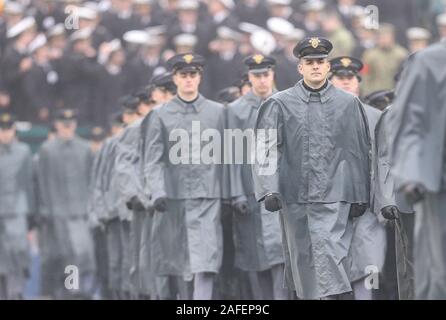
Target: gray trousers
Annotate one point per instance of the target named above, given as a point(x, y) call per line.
point(269, 284)
point(430, 247)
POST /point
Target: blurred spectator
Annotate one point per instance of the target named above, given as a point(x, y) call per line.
point(441, 25)
point(418, 39)
point(286, 63)
point(146, 14)
point(187, 22)
point(80, 72)
point(382, 63)
point(311, 22)
point(40, 82)
point(342, 39)
point(224, 64)
point(16, 62)
point(220, 12)
point(252, 11)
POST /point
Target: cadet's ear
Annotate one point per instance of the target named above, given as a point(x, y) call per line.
point(299, 67)
point(174, 78)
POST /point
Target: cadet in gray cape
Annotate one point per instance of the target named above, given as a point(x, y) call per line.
point(117, 216)
point(162, 89)
point(418, 162)
point(393, 205)
point(63, 175)
point(128, 177)
point(369, 236)
point(99, 214)
point(257, 233)
point(17, 204)
point(183, 174)
point(312, 161)
point(97, 136)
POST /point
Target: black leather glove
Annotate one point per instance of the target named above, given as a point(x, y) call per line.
point(390, 212)
point(241, 207)
point(273, 202)
point(35, 221)
point(357, 209)
point(414, 192)
point(135, 204)
point(160, 204)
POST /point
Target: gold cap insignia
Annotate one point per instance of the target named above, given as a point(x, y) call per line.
point(346, 62)
point(97, 130)
point(258, 58)
point(188, 58)
point(68, 114)
point(6, 117)
point(315, 42)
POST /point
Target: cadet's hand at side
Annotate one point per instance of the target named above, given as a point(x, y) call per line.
point(241, 207)
point(273, 203)
point(414, 192)
point(160, 204)
point(390, 212)
point(357, 209)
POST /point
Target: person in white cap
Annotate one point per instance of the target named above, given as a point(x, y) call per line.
point(286, 76)
point(89, 17)
point(224, 64)
point(79, 70)
point(187, 21)
point(16, 63)
point(311, 21)
point(418, 38)
point(281, 9)
point(40, 82)
point(13, 13)
point(252, 11)
point(146, 62)
point(146, 13)
point(441, 25)
point(280, 28)
point(184, 43)
point(57, 40)
point(263, 41)
point(113, 84)
point(220, 11)
point(120, 18)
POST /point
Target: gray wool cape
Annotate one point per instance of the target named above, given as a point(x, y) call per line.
point(313, 150)
point(257, 235)
point(187, 238)
point(418, 155)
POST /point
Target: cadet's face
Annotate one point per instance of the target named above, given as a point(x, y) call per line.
point(65, 129)
point(159, 95)
point(28, 35)
point(187, 82)
point(7, 135)
point(347, 83)
point(116, 129)
point(386, 40)
point(118, 58)
point(188, 16)
point(262, 83)
point(314, 71)
point(129, 117)
point(145, 108)
point(417, 45)
point(143, 10)
point(58, 42)
point(245, 89)
point(123, 5)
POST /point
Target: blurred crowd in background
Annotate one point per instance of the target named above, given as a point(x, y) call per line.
point(84, 55)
